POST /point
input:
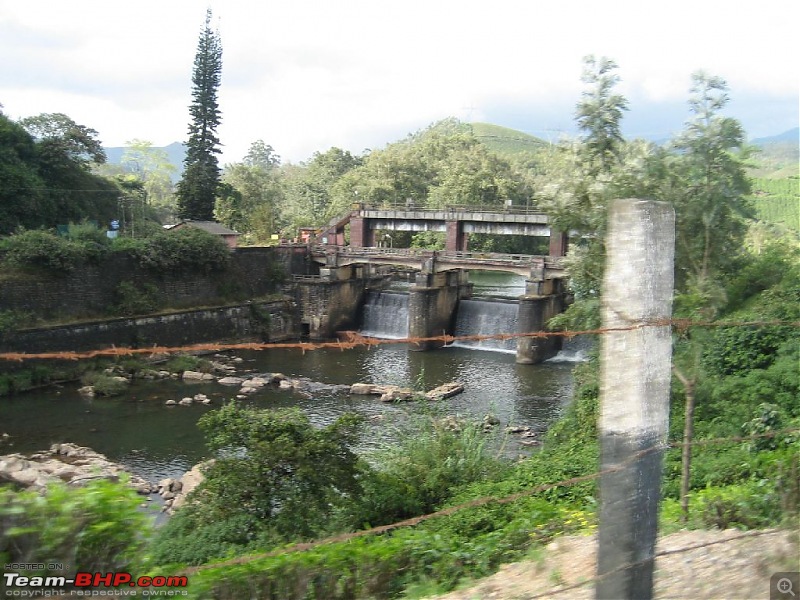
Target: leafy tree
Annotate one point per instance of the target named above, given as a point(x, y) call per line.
point(599, 114)
point(261, 154)
point(77, 142)
point(23, 201)
point(707, 184)
point(198, 188)
point(309, 188)
point(444, 164)
point(64, 155)
point(709, 188)
point(250, 193)
point(579, 179)
point(151, 167)
point(276, 478)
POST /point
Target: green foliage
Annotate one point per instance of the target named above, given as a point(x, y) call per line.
point(766, 428)
point(187, 249)
point(105, 384)
point(39, 249)
point(94, 528)
point(777, 384)
point(22, 380)
point(249, 199)
point(442, 165)
point(737, 350)
point(309, 189)
point(11, 320)
point(421, 472)
point(710, 189)
point(188, 362)
point(276, 479)
point(136, 300)
point(505, 141)
point(196, 191)
point(777, 201)
point(23, 202)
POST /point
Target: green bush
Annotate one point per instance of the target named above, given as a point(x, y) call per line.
point(187, 249)
point(136, 300)
point(188, 362)
point(425, 468)
point(276, 479)
point(104, 384)
point(41, 250)
point(92, 241)
point(94, 528)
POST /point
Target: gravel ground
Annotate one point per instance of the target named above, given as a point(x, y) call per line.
point(738, 566)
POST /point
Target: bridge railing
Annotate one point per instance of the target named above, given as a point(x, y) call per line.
point(554, 262)
point(455, 208)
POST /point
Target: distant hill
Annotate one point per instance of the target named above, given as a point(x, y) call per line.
point(176, 152)
point(777, 156)
point(504, 140)
point(793, 135)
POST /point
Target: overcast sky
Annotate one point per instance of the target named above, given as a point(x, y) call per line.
point(305, 75)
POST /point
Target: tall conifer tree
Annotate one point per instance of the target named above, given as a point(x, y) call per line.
point(198, 187)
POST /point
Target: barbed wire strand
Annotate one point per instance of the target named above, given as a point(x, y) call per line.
point(482, 501)
point(352, 339)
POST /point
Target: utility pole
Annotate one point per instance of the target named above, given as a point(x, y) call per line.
point(634, 393)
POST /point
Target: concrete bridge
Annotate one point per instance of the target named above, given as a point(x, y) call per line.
point(533, 267)
point(457, 221)
point(337, 294)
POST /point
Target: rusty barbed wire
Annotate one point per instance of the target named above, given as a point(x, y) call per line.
point(352, 339)
point(344, 537)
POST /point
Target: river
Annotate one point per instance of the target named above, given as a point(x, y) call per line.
point(155, 441)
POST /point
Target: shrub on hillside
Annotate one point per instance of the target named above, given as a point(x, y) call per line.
point(187, 249)
point(39, 249)
point(94, 528)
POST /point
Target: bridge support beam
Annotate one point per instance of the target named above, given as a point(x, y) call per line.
point(534, 312)
point(361, 236)
point(456, 240)
point(432, 304)
point(558, 243)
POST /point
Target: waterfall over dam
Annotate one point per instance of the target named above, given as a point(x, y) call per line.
point(385, 315)
point(487, 317)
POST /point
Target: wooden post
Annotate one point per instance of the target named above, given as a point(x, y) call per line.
point(634, 393)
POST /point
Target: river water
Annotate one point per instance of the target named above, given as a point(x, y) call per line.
point(155, 441)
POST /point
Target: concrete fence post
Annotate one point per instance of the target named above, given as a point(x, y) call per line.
point(634, 393)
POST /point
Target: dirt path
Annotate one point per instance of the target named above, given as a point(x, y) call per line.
point(738, 565)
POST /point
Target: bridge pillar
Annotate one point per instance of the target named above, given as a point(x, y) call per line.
point(456, 238)
point(360, 234)
point(558, 243)
point(534, 312)
point(432, 304)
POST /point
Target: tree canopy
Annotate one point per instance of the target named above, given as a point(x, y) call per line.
point(46, 177)
point(197, 189)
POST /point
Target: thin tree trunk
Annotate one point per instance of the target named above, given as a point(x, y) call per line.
point(688, 435)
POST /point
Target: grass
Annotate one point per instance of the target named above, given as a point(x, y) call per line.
point(777, 201)
point(506, 141)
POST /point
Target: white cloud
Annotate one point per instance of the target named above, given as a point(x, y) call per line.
point(309, 74)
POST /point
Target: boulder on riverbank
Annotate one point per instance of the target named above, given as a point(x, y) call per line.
point(68, 463)
point(394, 393)
point(175, 491)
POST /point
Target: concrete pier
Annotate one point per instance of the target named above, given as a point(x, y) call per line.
point(432, 304)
